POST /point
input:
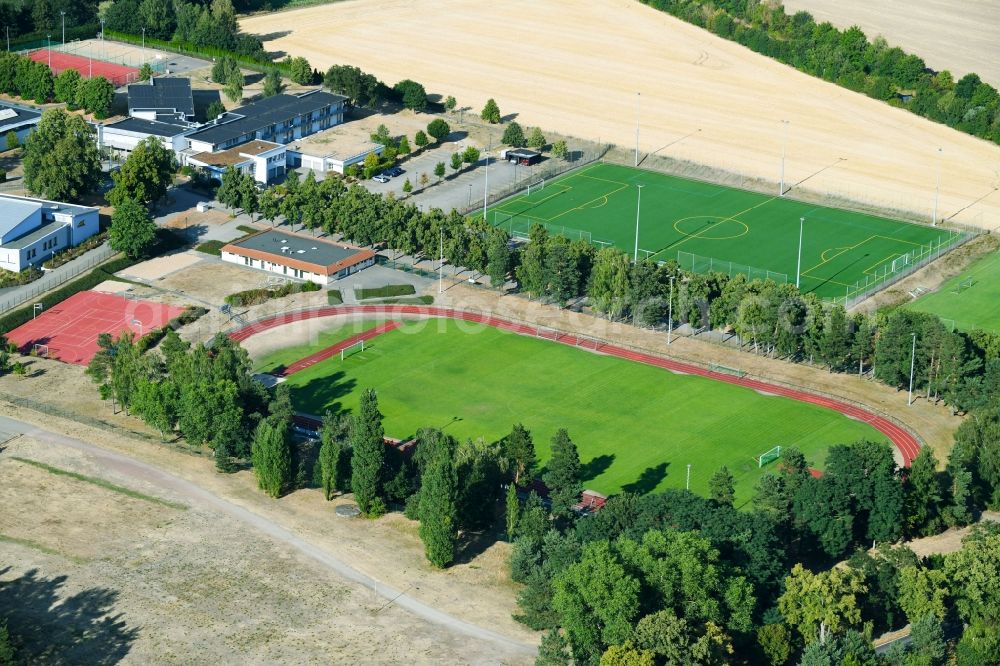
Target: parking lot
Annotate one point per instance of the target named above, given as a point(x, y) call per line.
point(464, 191)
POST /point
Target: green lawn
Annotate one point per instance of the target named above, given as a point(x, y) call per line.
point(637, 427)
point(719, 225)
point(968, 307)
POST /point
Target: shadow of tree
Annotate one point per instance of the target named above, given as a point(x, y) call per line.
point(323, 393)
point(648, 480)
point(50, 628)
point(596, 466)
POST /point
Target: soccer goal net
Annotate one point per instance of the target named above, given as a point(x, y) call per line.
point(350, 350)
point(962, 286)
point(536, 187)
point(900, 263)
point(40, 350)
point(726, 370)
point(769, 456)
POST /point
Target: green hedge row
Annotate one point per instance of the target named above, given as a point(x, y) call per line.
point(190, 314)
point(258, 296)
point(208, 52)
point(90, 280)
point(388, 291)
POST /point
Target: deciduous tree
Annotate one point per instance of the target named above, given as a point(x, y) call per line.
point(820, 604)
point(132, 230)
point(61, 161)
point(145, 175)
point(271, 456)
point(438, 129)
point(562, 475)
point(491, 112)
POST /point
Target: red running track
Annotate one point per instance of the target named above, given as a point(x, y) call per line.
point(904, 441)
point(333, 350)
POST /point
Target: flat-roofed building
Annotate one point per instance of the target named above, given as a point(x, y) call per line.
point(17, 119)
point(162, 98)
point(297, 256)
point(124, 135)
point(264, 160)
point(281, 118)
point(332, 150)
point(32, 230)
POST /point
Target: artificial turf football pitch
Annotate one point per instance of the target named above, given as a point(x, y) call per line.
point(720, 225)
point(637, 427)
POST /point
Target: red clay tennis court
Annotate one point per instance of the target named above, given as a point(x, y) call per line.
point(58, 62)
point(69, 330)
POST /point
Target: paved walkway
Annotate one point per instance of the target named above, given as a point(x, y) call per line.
point(903, 440)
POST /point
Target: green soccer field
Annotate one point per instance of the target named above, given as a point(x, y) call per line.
point(637, 427)
point(969, 300)
point(719, 225)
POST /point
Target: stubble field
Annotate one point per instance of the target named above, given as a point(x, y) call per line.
point(576, 66)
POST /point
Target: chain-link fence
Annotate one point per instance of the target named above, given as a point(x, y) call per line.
point(56, 277)
point(695, 263)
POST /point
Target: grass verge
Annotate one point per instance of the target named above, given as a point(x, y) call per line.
point(388, 291)
point(212, 247)
point(42, 548)
point(107, 485)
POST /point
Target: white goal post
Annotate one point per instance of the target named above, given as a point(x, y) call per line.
point(355, 348)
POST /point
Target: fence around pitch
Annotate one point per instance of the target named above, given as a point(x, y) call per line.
point(695, 263)
point(900, 267)
point(75, 268)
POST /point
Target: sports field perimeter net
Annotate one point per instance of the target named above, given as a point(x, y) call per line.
point(696, 263)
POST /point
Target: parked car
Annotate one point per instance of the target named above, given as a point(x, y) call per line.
point(380, 178)
point(394, 171)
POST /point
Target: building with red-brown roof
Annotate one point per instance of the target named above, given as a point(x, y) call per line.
point(297, 256)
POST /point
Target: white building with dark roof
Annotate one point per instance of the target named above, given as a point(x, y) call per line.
point(281, 118)
point(163, 98)
point(17, 119)
point(124, 135)
point(32, 230)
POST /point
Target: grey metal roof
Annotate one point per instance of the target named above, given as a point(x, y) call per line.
point(153, 127)
point(300, 248)
point(13, 212)
point(162, 93)
point(35, 236)
point(263, 113)
point(21, 116)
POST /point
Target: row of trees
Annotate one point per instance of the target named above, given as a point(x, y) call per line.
point(771, 319)
point(20, 76)
point(44, 16)
point(365, 89)
point(849, 59)
point(201, 24)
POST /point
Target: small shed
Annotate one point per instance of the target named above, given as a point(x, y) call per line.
point(522, 156)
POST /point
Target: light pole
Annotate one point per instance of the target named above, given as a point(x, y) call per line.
point(441, 262)
point(638, 99)
point(63, 13)
point(102, 30)
point(638, 205)
point(470, 195)
point(143, 52)
point(937, 188)
point(486, 185)
point(670, 310)
point(784, 141)
point(136, 322)
point(687, 485)
point(913, 362)
point(48, 41)
point(798, 267)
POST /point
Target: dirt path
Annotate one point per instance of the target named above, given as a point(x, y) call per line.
point(905, 443)
point(149, 474)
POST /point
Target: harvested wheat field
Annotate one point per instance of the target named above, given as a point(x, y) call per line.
point(959, 37)
point(575, 66)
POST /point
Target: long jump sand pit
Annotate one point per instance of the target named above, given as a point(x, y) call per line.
point(576, 66)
